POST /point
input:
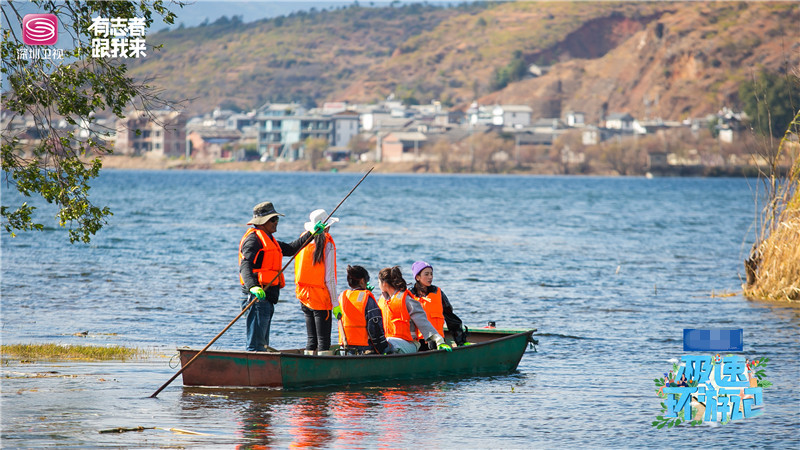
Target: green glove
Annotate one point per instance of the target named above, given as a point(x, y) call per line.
point(319, 227)
point(258, 292)
point(337, 311)
point(445, 347)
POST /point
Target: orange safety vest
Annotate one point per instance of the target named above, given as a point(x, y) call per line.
point(271, 261)
point(432, 304)
point(309, 278)
point(354, 322)
point(396, 320)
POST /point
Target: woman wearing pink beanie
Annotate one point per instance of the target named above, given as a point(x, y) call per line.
point(435, 303)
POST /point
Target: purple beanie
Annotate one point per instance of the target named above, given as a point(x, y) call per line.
point(417, 267)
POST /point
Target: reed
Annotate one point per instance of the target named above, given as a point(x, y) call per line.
point(773, 268)
point(30, 352)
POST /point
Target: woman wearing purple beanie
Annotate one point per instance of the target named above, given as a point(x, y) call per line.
point(435, 303)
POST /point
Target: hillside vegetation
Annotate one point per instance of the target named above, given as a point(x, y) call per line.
point(652, 59)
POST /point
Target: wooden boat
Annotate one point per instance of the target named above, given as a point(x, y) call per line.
point(493, 352)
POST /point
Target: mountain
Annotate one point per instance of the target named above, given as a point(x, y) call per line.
point(651, 59)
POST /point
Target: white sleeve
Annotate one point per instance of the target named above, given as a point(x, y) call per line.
point(420, 320)
point(330, 273)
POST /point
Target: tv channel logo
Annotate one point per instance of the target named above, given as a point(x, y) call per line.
point(40, 29)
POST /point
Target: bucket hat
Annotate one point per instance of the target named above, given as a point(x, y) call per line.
point(318, 215)
point(418, 267)
point(262, 213)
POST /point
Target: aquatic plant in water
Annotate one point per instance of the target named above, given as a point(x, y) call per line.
point(28, 352)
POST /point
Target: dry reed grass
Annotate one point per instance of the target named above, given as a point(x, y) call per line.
point(775, 260)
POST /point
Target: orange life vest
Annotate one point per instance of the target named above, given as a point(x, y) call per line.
point(309, 278)
point(396, 320)
point(432, 304)
point(270, 263)
point(354, 322)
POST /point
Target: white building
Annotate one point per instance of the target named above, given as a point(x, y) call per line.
point(575, 119)
point(345, 127)
point(622, 122)
point(517, 116)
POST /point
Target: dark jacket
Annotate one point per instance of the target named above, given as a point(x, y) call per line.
point(250, 261)
point(375, 331)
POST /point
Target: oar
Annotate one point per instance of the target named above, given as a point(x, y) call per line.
point(310, 238)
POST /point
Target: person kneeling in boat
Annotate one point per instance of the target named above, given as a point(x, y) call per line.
point(403, 315)
point(361, 323)
point(436, 305)
point(315, 284)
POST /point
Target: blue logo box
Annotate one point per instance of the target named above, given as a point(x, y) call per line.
point(713, 339)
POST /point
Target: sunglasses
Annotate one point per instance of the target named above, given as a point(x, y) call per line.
point(273, 220)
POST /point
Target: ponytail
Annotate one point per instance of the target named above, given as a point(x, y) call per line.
point(393, 277)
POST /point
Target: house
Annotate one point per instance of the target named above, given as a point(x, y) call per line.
point(210, 144)
point(281, 109)
point(240, 121)
point(725, 134)
point(478, 115)
point(517, 116)
point(373, 118)
point(448, 119)
point(531, 137)
point(281, 136)
point(548, 125)
point(161, 135)
point(620, 121)
point(575, 119)
point(399, 146)
point(345, 127)
point(657, 160)
point(333, 107)
point(592, 135)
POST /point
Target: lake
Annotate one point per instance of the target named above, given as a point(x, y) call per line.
point(609, 270)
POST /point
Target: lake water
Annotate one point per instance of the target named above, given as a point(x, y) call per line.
point(609, 270)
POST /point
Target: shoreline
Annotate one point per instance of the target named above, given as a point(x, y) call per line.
point(119, 162)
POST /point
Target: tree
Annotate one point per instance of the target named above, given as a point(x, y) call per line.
point(314, 148)
point(61, 164)
point(771, 101)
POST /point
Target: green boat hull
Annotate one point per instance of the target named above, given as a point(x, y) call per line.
point(493, 352)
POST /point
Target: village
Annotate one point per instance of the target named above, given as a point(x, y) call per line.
point(498, 138)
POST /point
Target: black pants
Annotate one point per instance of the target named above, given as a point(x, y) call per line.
point(318, 328)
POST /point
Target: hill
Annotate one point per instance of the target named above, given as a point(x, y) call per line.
point(652, 59)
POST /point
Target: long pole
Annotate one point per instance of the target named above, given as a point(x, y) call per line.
point(310, 237)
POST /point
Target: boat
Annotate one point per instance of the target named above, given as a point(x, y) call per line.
point(493, 351)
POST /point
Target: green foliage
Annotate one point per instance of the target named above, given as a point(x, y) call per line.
point(61, 164)
point(513, 71)
point(771, 100)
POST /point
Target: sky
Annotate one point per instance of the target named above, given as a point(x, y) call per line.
point(252, 10)
point(197, 11)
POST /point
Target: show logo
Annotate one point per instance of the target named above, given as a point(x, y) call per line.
point(118, 37)
point(40, 29)
point(711, 388)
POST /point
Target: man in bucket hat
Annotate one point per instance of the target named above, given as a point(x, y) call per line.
point(260, 262)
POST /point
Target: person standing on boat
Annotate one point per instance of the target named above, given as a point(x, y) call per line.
point(436, 304)
point(315, 281)
point(361, 319)
point(403, 315)
point(260, 261)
